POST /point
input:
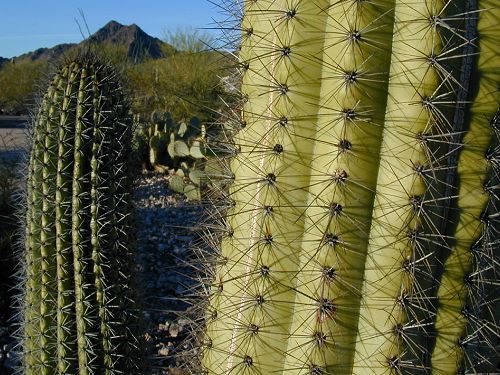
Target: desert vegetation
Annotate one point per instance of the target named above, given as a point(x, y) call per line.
point(19, 82)
point(186, 82)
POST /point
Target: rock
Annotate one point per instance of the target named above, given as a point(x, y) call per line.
point(175, 329)
point(163, 350)
point(164, 327)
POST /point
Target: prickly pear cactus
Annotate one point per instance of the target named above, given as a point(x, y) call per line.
point(361, 230)
point(79, 312)
point(177, 148)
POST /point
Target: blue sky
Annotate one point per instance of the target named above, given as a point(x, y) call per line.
point(26, 25)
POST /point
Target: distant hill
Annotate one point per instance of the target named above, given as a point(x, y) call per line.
point(46, 53)
point(139, 45)
point(132, 39)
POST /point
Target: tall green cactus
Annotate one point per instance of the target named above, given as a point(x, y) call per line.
point(362, 231)
point(80, 314)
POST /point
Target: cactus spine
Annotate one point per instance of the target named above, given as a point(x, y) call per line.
point(360, 235)
point(80, 314)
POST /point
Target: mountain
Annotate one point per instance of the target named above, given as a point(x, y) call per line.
point(139, 45)
point(46, 53)
point(130, 38)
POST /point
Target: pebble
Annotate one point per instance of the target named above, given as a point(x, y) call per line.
point(174, 330)
point(164, 350)
point(164, 327)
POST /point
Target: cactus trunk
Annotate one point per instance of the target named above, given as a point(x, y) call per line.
point(360, 235)
point(79, 313)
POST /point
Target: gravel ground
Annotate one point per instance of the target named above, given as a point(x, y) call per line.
point(168, 224)
point(166, 232)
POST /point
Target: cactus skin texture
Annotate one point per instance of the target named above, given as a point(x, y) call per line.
point(79, 311)
point(361, 230)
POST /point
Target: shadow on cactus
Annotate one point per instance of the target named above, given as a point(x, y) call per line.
point(79, 313)
point(359, 234)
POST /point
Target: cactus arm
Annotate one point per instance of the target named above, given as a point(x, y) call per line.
point(65, 317)
point(341, 192)
point(80, 316)
point(460, 269)
point(404, 199)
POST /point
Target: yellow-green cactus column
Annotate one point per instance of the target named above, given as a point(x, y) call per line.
point(251, 299)
point(342, 188)
point(405, 227)
point(351, 244)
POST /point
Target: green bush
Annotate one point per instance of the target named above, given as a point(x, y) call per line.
point(18, 83)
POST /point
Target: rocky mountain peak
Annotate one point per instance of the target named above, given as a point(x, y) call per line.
point(137, 43)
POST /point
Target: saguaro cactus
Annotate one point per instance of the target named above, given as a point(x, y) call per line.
point(80, 315)
point(361, 234)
